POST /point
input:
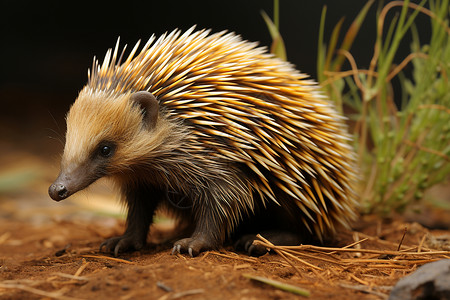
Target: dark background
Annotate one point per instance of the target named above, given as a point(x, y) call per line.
point(47, 47)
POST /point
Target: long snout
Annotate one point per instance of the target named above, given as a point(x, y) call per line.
point(72, 180)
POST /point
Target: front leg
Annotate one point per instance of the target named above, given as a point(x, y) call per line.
point(216, 210)
point(209, 234)
point(213, 217)
point(141, 202)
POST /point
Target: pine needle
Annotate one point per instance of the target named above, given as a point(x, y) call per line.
point(279, 285)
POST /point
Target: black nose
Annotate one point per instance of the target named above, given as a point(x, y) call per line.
point(58, 191)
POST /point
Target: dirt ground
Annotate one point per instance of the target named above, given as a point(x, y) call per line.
point(49, 250)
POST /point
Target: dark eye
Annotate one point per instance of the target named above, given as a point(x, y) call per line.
point(106, 151)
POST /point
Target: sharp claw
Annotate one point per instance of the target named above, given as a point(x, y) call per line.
point(174, 249)
point(116, 251)
point(248, 245)
point(103, 245)
point(179, 248)
point(250, 250)
point(190, 252)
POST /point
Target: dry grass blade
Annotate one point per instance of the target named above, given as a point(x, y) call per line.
point(401, 149)
point(283, 254)
point(403, 237)
point(4, 237)
point(385, 263)
point(54, 295)
point(109, 258)
point(323, 250)
point(80, 278)
point(291, 253)
point(247, 259)
point(187, 293)
point(364, 289)
point(279, 285)
point(419, 249)
point(351, 34)
point(81, 268)
point(351, 245)
point(277, 46)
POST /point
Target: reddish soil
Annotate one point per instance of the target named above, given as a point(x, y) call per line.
point(50, 251)
point(36, 259)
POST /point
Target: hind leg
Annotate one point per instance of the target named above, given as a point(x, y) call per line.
point(278, 224)
point(276, 237)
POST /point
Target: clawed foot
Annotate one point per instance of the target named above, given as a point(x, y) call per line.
point(193, 246)
point(120, 244)
point(276, 237)
point(246, 243)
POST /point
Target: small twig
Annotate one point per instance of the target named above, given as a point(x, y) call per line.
point(363, 288)
point(372, 251)
point(432, 151)
point(419, 249)
point(351, 245)
point(163, 286)
point(81, 278)
point(403, 236)
point(283, 255)
point(354, 67)
point(333, 76)
point(359, 279)
point(280, 253)
point(333, 260)
point(300, 260)
point(409, 249)
point(434, 106)
point(109, 258)
point(407, 59)
point(379, 240)
point(293, 252)
point(187, 293)
point(81, 268)
point(281, 263)
point(27, 282)
point(279, 285)
point(251, 260)
point(55, 295)
point(394, 266)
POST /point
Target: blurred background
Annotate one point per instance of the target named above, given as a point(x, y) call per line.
point(48, 46)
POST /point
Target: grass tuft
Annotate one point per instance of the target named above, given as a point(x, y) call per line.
point(402, 144)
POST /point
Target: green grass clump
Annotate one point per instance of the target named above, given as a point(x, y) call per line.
point(404, 148)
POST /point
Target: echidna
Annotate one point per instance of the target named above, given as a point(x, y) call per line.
point(216, 130)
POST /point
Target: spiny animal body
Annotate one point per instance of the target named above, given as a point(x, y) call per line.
point(215, 130)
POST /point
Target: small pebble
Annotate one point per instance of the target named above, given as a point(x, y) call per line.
point(163, 286)
point(95, 288)
point(60, 252)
